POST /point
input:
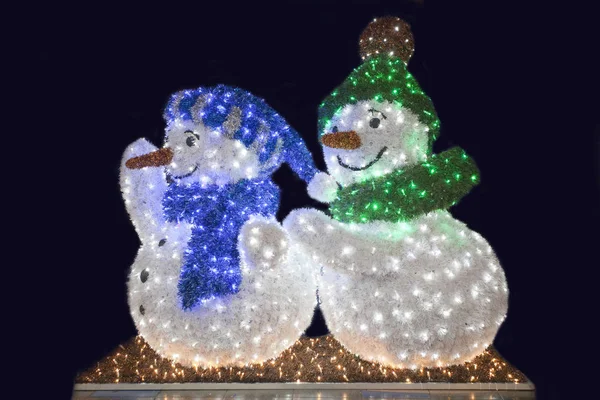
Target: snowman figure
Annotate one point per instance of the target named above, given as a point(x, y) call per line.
point(403, 283)
point(212, 283)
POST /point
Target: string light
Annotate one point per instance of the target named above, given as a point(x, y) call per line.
point(211, 283)
point(321, 359)
point(392, 248)
point(218, 282)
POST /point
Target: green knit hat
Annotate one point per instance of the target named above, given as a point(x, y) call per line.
point(386, 45)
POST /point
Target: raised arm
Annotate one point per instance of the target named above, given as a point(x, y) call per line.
point(143, 190)
point(350, 248)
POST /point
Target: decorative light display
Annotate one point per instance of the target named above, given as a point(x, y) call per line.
point(219, 285)
point(389, 36)
point(212, 283)
point(320, 359)
point(403, 283)
point(406, 193)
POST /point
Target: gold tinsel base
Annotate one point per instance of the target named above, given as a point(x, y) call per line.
point(321, 359)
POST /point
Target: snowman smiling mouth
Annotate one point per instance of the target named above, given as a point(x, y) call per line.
point(184, 175)
point(369, 165)
point(348, 141)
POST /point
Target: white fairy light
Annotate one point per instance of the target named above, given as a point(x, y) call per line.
point(415, 318)
point(223, 332)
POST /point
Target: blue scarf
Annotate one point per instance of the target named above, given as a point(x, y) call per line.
point(211, 261)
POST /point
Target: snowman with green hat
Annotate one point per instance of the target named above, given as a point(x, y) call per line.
point(402, 282)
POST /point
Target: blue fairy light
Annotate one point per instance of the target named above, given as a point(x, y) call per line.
point(211, 263)
point(217, 212)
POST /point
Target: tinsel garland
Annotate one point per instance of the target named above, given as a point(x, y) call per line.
point(404, 194)
point(211, 264)
point(382, 78)
point(255, 124)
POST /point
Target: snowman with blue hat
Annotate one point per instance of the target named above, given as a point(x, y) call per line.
point(212, 283)
point(403, 282)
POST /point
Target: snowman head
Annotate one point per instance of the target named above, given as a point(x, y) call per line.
point(221, 135)
point(372, 138)
point(378, 120)
point(209, 155)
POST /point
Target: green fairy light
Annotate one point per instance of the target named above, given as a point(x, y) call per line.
point(438, 191)
point(395, 84)
point(414, 190)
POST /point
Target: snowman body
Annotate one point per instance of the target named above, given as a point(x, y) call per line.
point(204, 205)
point(409, 290)
point(429, 292)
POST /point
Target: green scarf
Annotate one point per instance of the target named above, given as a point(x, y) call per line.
point(402, 195)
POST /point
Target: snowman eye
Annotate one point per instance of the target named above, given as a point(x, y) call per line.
point(374, 122)
point(192, 137)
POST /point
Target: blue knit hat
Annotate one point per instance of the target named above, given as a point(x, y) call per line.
point(259, 127)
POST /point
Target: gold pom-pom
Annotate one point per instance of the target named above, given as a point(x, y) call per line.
point(387, 35)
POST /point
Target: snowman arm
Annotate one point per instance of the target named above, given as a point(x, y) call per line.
point(339, 246)
point(143, 190)
point(299, 158)
point(323, 187)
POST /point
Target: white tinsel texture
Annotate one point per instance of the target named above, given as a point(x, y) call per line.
point(322, 187)
point(271, 310)
point(429, 292)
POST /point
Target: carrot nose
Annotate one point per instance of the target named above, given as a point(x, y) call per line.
point(342, 140)
point(155, 159)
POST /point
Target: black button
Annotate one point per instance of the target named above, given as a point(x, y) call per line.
point(334, 129)
point(162, 242)
point(144, 275)
point(142, 310)
point(374, 123)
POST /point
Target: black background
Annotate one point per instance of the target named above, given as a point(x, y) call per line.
point(513, 85)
